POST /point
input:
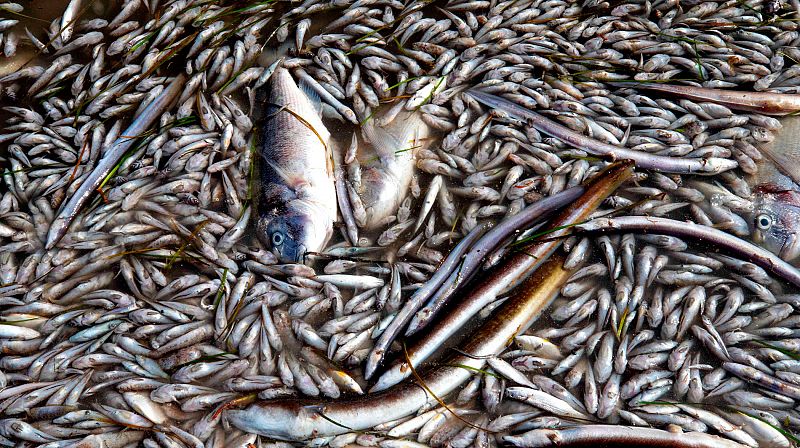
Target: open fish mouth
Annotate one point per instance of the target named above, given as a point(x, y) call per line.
point(790, 250)
point(297, 255)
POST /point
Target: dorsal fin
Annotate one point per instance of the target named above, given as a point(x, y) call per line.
point(383, 142)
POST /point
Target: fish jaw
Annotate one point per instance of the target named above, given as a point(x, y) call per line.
point(790, 250)
point(768, 231)
point(759, 237)
point(300, 229)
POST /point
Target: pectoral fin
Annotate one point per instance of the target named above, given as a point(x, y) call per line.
point(404, 135)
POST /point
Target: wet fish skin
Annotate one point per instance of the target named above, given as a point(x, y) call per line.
point(388, 155)
point(775, 220)
point(297, 203)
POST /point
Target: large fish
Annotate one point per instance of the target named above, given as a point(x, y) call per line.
point(776, 214)
point(386, 163)
point(297, 199)
point(775, 221)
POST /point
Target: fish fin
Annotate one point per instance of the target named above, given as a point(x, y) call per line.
point(781, 163)
point(383, 142)
point(783, 150)
point(312, 96)
point(287, 178)
point(404, 134)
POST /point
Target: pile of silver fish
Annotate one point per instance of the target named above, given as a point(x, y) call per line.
point(262, 224)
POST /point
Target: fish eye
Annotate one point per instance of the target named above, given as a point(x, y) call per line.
point(277, 239)
point(763, 221)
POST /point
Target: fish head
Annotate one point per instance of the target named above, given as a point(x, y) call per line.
point(292, 235)
point(776, 220)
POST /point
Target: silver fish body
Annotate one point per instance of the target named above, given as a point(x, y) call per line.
point(387, 165)
point(297, 202)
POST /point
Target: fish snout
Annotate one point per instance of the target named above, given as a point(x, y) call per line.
point(289, 251)
point(292, 235)
point(295, 254)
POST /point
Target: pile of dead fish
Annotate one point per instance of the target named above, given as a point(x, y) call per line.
point(216, 217)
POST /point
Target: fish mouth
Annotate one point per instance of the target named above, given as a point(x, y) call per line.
point(300, 253)
point(296, 254)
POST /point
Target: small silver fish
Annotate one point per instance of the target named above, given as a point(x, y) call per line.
point(297, 203)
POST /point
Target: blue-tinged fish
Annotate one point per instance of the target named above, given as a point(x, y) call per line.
point(297, 199)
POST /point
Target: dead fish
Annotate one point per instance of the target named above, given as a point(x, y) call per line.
point(386, 158)
point(297, 202)
point(776, 211)
point(775, 220)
